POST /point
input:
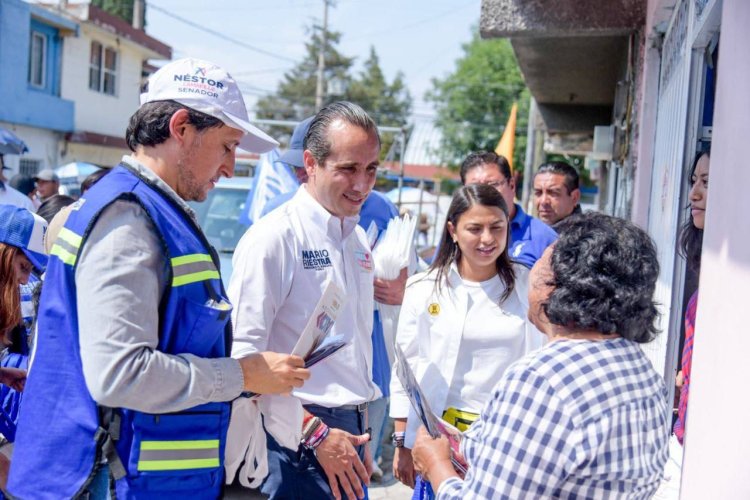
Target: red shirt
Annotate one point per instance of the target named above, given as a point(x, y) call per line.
point(687, 363)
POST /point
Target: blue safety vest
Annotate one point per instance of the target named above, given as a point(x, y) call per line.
point(62, 433)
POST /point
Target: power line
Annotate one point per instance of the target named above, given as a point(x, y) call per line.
point(250, 8)
point(417, 23)
point(217, 34)
point(259, 71)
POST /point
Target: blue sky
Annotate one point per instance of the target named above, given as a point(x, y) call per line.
point(421, 38)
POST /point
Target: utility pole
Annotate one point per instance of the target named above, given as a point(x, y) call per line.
point(321, 59)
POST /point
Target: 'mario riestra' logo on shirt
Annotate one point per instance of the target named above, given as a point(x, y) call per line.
point(315, 259)
point(197, 83)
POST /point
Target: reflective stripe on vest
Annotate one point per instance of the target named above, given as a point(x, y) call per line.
point(188, 269)
point(187, 325)
point(178, 455)
point(66, 246)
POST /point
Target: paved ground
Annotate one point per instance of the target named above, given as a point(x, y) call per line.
point(386, 489)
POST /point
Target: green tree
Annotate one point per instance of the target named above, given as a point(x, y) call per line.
point(294, 98)
point(388, 103)
point(473, 103)
point(120, 8)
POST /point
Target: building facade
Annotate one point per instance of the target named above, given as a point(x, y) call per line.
point(71, 78)
point(651, 84)
point(32, 41)
point(105, 68)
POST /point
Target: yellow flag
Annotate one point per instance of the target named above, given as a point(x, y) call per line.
point(508, 140)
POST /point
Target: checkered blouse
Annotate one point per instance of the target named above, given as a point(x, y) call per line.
point(575, 419)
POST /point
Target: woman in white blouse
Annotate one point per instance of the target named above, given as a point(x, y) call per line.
point(462, 322)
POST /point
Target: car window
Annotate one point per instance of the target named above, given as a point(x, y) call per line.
point(219, 217)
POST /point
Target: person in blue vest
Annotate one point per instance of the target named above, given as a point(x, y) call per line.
point(529, 236)
point(131, 381)
point(377, 209)
point(22, 261)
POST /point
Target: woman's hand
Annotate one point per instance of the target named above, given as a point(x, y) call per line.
point(15, 378)
point(403, 467)
point(432, 458)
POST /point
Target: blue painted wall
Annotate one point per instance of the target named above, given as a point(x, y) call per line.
point(20, 102)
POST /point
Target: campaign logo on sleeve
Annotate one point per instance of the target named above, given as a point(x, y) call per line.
point(316, 259)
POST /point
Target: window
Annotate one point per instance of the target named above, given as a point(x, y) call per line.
point(38, 60)
point(103, 69)
point(29, 167)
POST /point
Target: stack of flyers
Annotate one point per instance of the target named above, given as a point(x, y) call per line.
point(328, 346)
point(315, 344)
point(435, 425)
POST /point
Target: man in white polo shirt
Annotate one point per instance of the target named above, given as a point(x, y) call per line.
point(281, 267)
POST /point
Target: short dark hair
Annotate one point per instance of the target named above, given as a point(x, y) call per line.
point(52, 205)
point(604, 275)
point(92, 179)
point(464, 198)
point(690, 242)
point(478, 158)
point(22, 183)
point(149, 126)
point(316, 140)
point(572, 181)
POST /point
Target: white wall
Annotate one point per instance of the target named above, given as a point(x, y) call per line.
point(717, 450)
point(42, 143)
point(96, 111)
point(646, 103)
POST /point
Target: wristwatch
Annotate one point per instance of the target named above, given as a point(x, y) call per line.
point(397, 438)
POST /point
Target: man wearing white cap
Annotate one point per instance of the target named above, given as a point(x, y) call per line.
point(131, 377)
point(47, 184)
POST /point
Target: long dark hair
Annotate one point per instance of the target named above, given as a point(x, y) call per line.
point(10, 295)
point(690, 242)
point(449, 252)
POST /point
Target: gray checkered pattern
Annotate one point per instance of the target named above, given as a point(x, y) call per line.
point(576, 419)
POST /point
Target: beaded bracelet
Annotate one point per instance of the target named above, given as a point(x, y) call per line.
point(314, 441)
point(314, 433)
point(309, 427)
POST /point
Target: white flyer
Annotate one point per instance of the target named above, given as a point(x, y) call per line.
point(321, 321)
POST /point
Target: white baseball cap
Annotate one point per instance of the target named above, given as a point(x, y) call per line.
point(205, 87)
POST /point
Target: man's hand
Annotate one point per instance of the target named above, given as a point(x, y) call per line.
point(403, 466)
point(15, 378)
point(273, 373)
point(338, 457)
point(391, 292)
point(432, 458)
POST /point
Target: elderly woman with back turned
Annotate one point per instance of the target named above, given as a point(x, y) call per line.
point(586, 416)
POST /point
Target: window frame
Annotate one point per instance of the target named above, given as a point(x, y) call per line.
point(29, 166)
point(99, 70)
point(43, 42)
point(109, 71)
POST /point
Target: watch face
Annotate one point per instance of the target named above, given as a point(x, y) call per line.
point(397, 440)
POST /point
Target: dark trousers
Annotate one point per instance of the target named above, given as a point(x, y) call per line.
point(297, 474)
